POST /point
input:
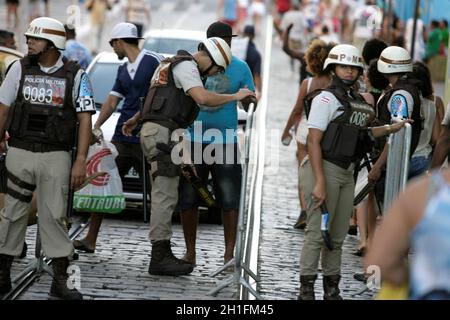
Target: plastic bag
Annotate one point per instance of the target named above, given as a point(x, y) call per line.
point(104, 193)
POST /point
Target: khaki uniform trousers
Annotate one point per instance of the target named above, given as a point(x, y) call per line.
point(49, 171)
point(340, 188)
point(164, 189)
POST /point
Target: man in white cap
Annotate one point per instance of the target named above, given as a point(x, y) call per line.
point(45, 96)
point(132, 83)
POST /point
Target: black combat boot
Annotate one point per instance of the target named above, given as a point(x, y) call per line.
point(331, 287)
point(307, 287)
point(163, 262)
point(5, 275)
point(59, 289)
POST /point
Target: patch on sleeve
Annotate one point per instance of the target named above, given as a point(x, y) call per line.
point(85, 101)
point(399, 107)
point(86, 86)
point(194, 71)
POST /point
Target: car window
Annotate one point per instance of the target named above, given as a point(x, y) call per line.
point(102, 77)
point(171, 45)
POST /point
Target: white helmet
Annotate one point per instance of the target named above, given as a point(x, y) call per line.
point(344, 54)
point(218, 50)
point(50, 29)
point(395, 60)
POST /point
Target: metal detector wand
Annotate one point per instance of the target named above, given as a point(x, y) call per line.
point(324, 227)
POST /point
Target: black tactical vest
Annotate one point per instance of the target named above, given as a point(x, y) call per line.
point(385, 116)
point(345, 140)
point(43, 117)
point(168, 105)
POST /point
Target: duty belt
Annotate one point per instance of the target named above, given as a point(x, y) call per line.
point(35, 146)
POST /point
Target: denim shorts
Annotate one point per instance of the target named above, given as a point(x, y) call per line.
point(226, 173)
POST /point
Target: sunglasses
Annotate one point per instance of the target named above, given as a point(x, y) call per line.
point(111, 42)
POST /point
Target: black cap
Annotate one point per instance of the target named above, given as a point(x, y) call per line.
point(220, 30)
point(250, 30)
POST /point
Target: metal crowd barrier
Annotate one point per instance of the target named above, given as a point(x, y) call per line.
point(247, 239)
point(397, 164)
point(397, 169)
point(237, 278)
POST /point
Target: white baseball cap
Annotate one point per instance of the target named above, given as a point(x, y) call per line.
point(124, 30)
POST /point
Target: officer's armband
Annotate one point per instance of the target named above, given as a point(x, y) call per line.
point(85, 101)
point(85, 104)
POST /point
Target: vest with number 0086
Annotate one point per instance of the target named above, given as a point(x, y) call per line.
point(410, 86)
point(43, 112)
point(346, 140)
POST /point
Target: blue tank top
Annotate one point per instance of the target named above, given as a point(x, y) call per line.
point(430, 261)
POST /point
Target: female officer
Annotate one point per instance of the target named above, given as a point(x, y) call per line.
point(339, 133)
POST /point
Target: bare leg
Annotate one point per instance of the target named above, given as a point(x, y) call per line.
point(372, 214)
point(16, 17)
point(189, 220)
point(302, 152)
point(230, 222)
point(353, 219)
point(90, 240)
point(8, 17)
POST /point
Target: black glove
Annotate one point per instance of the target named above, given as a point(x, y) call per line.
point(247, 101)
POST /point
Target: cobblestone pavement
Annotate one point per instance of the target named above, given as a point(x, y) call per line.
point(118, 268)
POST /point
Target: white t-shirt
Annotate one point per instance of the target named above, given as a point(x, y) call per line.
point(82, 93)
point(329, 38)
point(311, 10)
point(429, 113)
point(136, 11)
point(324, 109)
point(419, 47)
point(364, 18)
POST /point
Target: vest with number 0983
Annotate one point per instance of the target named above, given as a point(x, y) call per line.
point(43, 111)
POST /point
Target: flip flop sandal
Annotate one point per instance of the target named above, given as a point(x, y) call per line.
point(360, 252)
point(352, 230)
point(81, 246)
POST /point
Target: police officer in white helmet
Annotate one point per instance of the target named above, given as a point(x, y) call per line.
point(338, 123)
point(401, 101)
point(177, 88)
point(45, 95)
